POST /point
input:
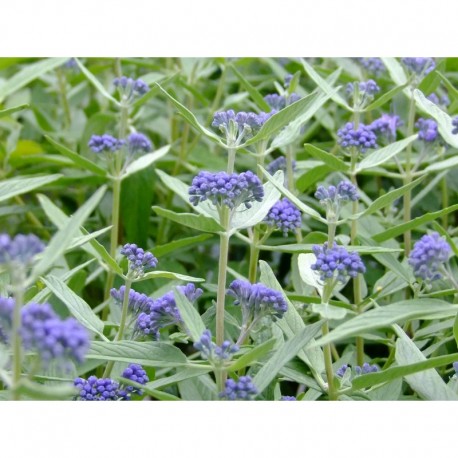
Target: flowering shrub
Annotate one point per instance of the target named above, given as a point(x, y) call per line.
point(228, 234)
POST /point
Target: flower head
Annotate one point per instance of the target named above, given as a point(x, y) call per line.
point(53, 338)
point(138, 143)
point(278, 102)
point(278, 164)
point(336, 263)
point(241, 390)
point(95, 389)
point(257, 300)
point(212, 352)
point(137, 374)
point(427, 256)
point(366, 369)
point(138, 302)
point(105, 143)
point(139, 259)
point(222, 188)
point(341, 371)
point(130, 88)
point(344, 192)
point(386, 125)
point(373, 65)
point(428, 130)
point(288, 398)
point(20, 249)
point(6, 317)
point(455, 125)
point(287, 80)
point(368, 88)
point(362, 138)
point(419, 65)
point(443, 101)
point(284, 216)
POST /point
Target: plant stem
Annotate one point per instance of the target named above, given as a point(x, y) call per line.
point(254, 257)
point(289, 153)
point(328, 364)
point(122, 323)
point(63, 95)
point(444, 192)
point(230, 159)
point(18, 281)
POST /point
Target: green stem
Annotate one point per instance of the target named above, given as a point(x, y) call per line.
point(18, 281)
point(124, 121)
point(445, 200)
point(122, 323)
point(230, 159)
point(328, 364)
point(254, 257)
point(63, 95)
point(289, 154)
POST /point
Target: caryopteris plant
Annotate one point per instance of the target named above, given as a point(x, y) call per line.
point(229, 229)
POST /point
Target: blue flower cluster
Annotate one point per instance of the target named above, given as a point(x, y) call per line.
point(214, 353)
point(278, 102)
point(427, 256)
point(428, 130)
point(443, 101)
point(419, 65)
point(138, 143)
point(344, 192)
point(105, 143)
point(386, 125)
point(164, 312)
point(455, 367)
point(138, 302)
point(284, 216)
point(139, 260)
point(6, 317)
point(222, 188)
point(21, 249)
point(107, 389)
point(288, 398)
point(336, 262)
point(242, 390)
point(257, 300)
point(362, 138)
point(341, 371)
point(455, 125)
point(279, 164)
point(373, 65)
point(53, 338)
point(130, 88)
point(287, 80)
point(366, 369)
point(366, 88)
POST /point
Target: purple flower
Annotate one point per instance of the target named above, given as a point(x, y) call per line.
point(242, 390)
point(419, 65)
point(427, 130)
point(287, 80)
point(284, 216)
point(455, 125)
point(20, 249)
point(345, 191)
point(105, 143)
point(257, 300)
point(137, 374)
point(280, 164)
point(288, 398)
point(362, 138)
point(386, 125)
point(95, 389)
point(130, 88)
point(443, 101)
point(278, 102)
point(336, 263)
point(139, 259)
point(138, 302)
point(455, 367)
point(214, 353)
point(138, 143)
point(427, 256)
point(367, 88)
point(366, 369)
point(53, 338)
point(341, 371)
point(223, 189)
point(373, 65)
point(6, 317)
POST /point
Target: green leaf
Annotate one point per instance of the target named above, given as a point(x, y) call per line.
point(77, 159)
point(28, 74)
point(401, 228)
point(453, 91)
point(17, 186)
point(324, 86)
point(176, 245)
point(306, 106)
point(199, 222)
point(254, 93)
point(190, 315)
point(387, 96)
point(155, 354)
point(329, 159)
point(428, 384)
point(299, 204)
point(311, 177)
point(455, 330)
point(145, 161)
point(285, 352)
point(444, 121)
point(255, 354)
point(387, 315)
point(191, 118)
point(171, 275)
point(201, 388)
point(8, 111)
point(42, 392)
point(77, 306)
point(63, 238)
point(383, 155)
point(96, 83)
point(83, 239)
point(387, 375)
point(395, 70)
point(181, 374)
point(243, 219)
point(447, 164)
